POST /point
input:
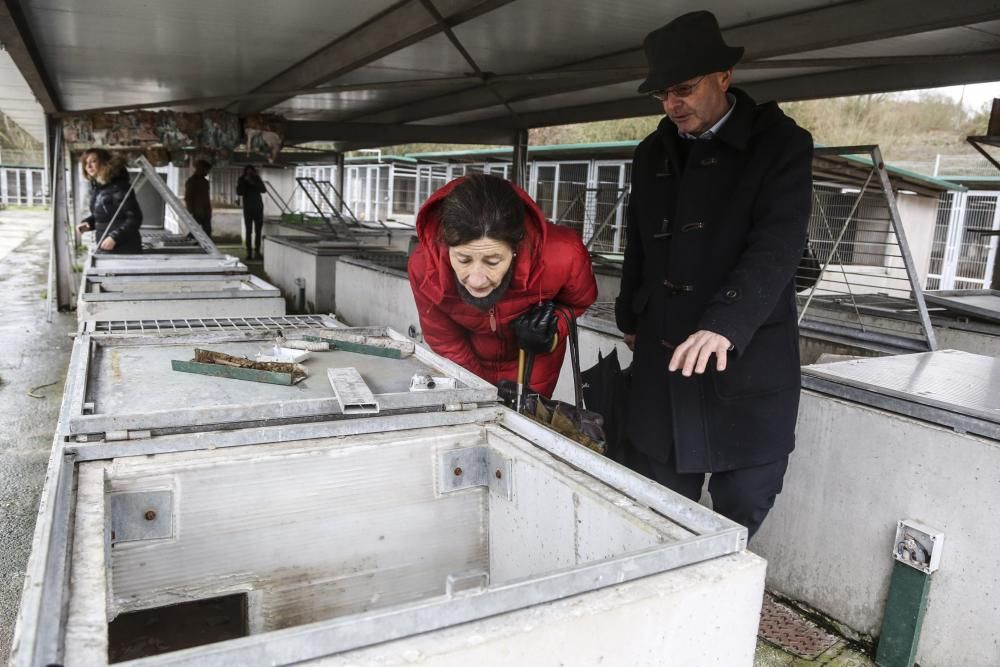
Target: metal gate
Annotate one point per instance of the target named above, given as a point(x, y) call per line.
point(965, 241)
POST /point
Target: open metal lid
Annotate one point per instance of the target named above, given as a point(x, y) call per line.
point(947, 387)
point(175, 286)
point(106, 264)
point(982, 303)
point(126, 387)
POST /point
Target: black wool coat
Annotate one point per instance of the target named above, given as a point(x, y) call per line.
point(713, 244)
point(105, 201)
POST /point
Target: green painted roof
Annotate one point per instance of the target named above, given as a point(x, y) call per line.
point(509, 150)
point(384, 158)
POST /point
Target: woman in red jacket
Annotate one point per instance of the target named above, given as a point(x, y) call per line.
point(487, 255)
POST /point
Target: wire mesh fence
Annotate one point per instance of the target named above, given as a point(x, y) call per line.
point(965, 241)
point(592, 199)
point(866, 272)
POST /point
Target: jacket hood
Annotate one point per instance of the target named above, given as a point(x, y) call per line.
point(438, 278)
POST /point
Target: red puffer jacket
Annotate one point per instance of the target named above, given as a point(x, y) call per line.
point(551, 265)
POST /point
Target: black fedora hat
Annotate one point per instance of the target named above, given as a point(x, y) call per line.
point(688, 46)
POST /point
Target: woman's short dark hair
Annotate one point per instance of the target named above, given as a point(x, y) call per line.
point(482, 206)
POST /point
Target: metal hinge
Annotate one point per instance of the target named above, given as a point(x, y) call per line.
point(474, 466)
point(458, 407)
point(117, 436)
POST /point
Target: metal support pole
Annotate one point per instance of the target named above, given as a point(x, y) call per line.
point(341, 179)
point(60, 292)
point(904, 247)
point(519, 170)
point(904, 615)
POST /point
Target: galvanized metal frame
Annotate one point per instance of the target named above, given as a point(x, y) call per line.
point(162, 264)
point(186, 326)
point(864, 383)
point(148, 174)
point(259, 288)
point(43, 612)
point(948, 299)
point(78, 424)
point(877, 170)
point(954, 420)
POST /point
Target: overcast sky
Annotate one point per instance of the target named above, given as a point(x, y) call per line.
point(973, 96)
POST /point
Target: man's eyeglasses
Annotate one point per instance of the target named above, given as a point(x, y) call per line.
point(680, 90)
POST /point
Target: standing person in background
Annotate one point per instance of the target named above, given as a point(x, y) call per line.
point(249, 189)
point(197, 196)
point(721, 197)
point(110, 200)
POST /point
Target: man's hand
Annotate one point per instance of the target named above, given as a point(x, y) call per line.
point(108, 244)
point(630, 341)
point(83, 227)
point(692, 355)
point(536, 330)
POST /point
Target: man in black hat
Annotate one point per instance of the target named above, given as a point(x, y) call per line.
point(717, 223)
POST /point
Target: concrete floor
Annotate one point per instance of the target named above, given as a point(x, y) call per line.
point(34, 355)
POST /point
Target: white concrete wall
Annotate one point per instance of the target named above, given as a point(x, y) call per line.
point(283, 181)
point(227, 222)
point(700, 615)
point(608, 285)
point(283, 263)
point(372, 297)
point(919, 215)
point(855, 472)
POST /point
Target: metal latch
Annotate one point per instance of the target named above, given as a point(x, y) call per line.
point(474, 466)
point(142, 515)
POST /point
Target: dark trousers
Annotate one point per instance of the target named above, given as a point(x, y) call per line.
point(206, 223)
point(744, 495)
point(253, 221)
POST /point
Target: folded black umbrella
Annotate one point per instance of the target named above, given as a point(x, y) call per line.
point(606, 391)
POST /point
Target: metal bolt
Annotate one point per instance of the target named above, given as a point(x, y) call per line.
point(458, 472)
point(150, 515)
point(499, 474)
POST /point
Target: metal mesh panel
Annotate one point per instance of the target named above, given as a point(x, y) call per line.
point(206, 324)
point(965, 238)
point(855, 233)
point(975, 246)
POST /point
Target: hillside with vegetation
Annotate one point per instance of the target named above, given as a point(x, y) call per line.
point(17, 147)
point(912, 132)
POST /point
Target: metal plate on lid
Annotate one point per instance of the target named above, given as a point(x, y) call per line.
point(950, 380)
point(984, 303)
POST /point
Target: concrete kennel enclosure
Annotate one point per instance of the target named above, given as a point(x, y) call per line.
point(176, 295)
point(345, 539)
point(104, 264)
point(912, 436)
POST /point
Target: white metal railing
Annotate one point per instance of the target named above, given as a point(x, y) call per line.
point(23, 186)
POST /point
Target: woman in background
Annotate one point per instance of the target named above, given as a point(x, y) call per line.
point(115, 215)
point(249, 189)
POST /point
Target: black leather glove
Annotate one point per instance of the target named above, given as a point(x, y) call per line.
point(536, 330)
